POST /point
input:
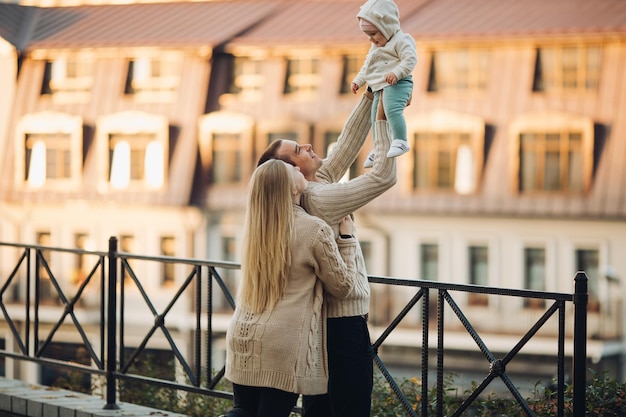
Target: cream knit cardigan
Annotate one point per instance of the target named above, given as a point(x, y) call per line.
point(286, 348)
point(331, 200)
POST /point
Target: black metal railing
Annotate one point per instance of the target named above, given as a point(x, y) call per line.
point(122, 288)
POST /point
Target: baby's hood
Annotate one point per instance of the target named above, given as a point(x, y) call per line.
point(383, 14)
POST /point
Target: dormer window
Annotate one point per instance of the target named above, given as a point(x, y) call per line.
point(553, 154)
point(447, 152)
point(573, 68)
point(459, 70)
point(226, 147)
point(135, 145)
point(49, 151)
point(302, 76)
point(351, 67)
point(247, 78)
point(154, 78)
point(69, 78)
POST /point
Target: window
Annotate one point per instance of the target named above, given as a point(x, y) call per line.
point(551, 161)
point(48, 156)
point(459, 70)
point(127, 244)
point(135, 158)
point(81, 264)
point(226, 146)
point(229, 276)
point(429, 255)
point(351, 66)
point(447, 152)
point(478, 273)
point(49, 151)
point(436, 157)
point(69, 78)
point(154, 77)
point(554, 154)
point(573, 68)
point(137, 150)
point(302, 76)
point(227, 158)
point(47, 293)
point(248, 79)
point(588, 260)
point(168, 248)
point(534, 275)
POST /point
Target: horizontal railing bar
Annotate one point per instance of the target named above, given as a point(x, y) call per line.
point(54, 249)
point(513, 292)
point(187, 261)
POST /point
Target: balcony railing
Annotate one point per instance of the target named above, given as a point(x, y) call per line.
point(114, 303)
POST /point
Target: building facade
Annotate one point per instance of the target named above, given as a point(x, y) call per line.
point(145, 121)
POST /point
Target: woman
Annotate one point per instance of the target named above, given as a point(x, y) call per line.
point(276, 340)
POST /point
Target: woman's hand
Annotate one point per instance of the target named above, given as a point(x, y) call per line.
point(346, 227)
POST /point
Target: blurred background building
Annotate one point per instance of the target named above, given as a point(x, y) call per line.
point(144, 121)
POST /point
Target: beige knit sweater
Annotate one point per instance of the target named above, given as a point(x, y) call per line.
point(286, 348)
point(332, 200)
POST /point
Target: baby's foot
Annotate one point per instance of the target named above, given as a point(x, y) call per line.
point(398, 147)
point(369, 161)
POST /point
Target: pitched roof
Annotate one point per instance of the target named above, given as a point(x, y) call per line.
point(157, 24)
point(315, 22)
point(489, 18)
point(15, 23)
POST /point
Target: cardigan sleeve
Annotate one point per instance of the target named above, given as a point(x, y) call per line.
point(349, 143)
point(336, 262)
point(332, 202)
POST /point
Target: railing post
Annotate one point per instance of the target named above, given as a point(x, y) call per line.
point(111, 333)
point(580, 343)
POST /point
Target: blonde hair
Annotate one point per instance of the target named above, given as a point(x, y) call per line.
point(268, 231)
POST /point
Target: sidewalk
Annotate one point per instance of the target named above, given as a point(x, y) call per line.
point(19, 399)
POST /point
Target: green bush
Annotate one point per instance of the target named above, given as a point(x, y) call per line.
point(605, 397)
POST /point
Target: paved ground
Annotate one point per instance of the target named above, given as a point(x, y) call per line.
point(19, 399)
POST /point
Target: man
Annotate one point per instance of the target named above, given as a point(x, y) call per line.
point(350, 357)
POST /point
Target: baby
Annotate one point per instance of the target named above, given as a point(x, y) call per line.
point(389, 64)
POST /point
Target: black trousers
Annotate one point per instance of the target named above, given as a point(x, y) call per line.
point(350, 369)
point(262, 402)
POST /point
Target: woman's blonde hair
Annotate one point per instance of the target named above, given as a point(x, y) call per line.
point(269, 228)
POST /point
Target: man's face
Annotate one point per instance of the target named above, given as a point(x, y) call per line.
point(302, 156)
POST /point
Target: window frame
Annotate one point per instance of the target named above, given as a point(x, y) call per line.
point(154, 87)
point(548, 123)
point(302, 75)
point(49, 123)
point(555, 81)
point(450, 76)
point(131, 123)
point(443, 122)
point(228, 123)
point(67, 88)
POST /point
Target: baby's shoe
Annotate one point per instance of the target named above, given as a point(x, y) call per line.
point(398, 147)
point(369, 161)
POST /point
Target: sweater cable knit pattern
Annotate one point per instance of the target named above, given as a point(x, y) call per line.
point(331, 200)
point(286, 348)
